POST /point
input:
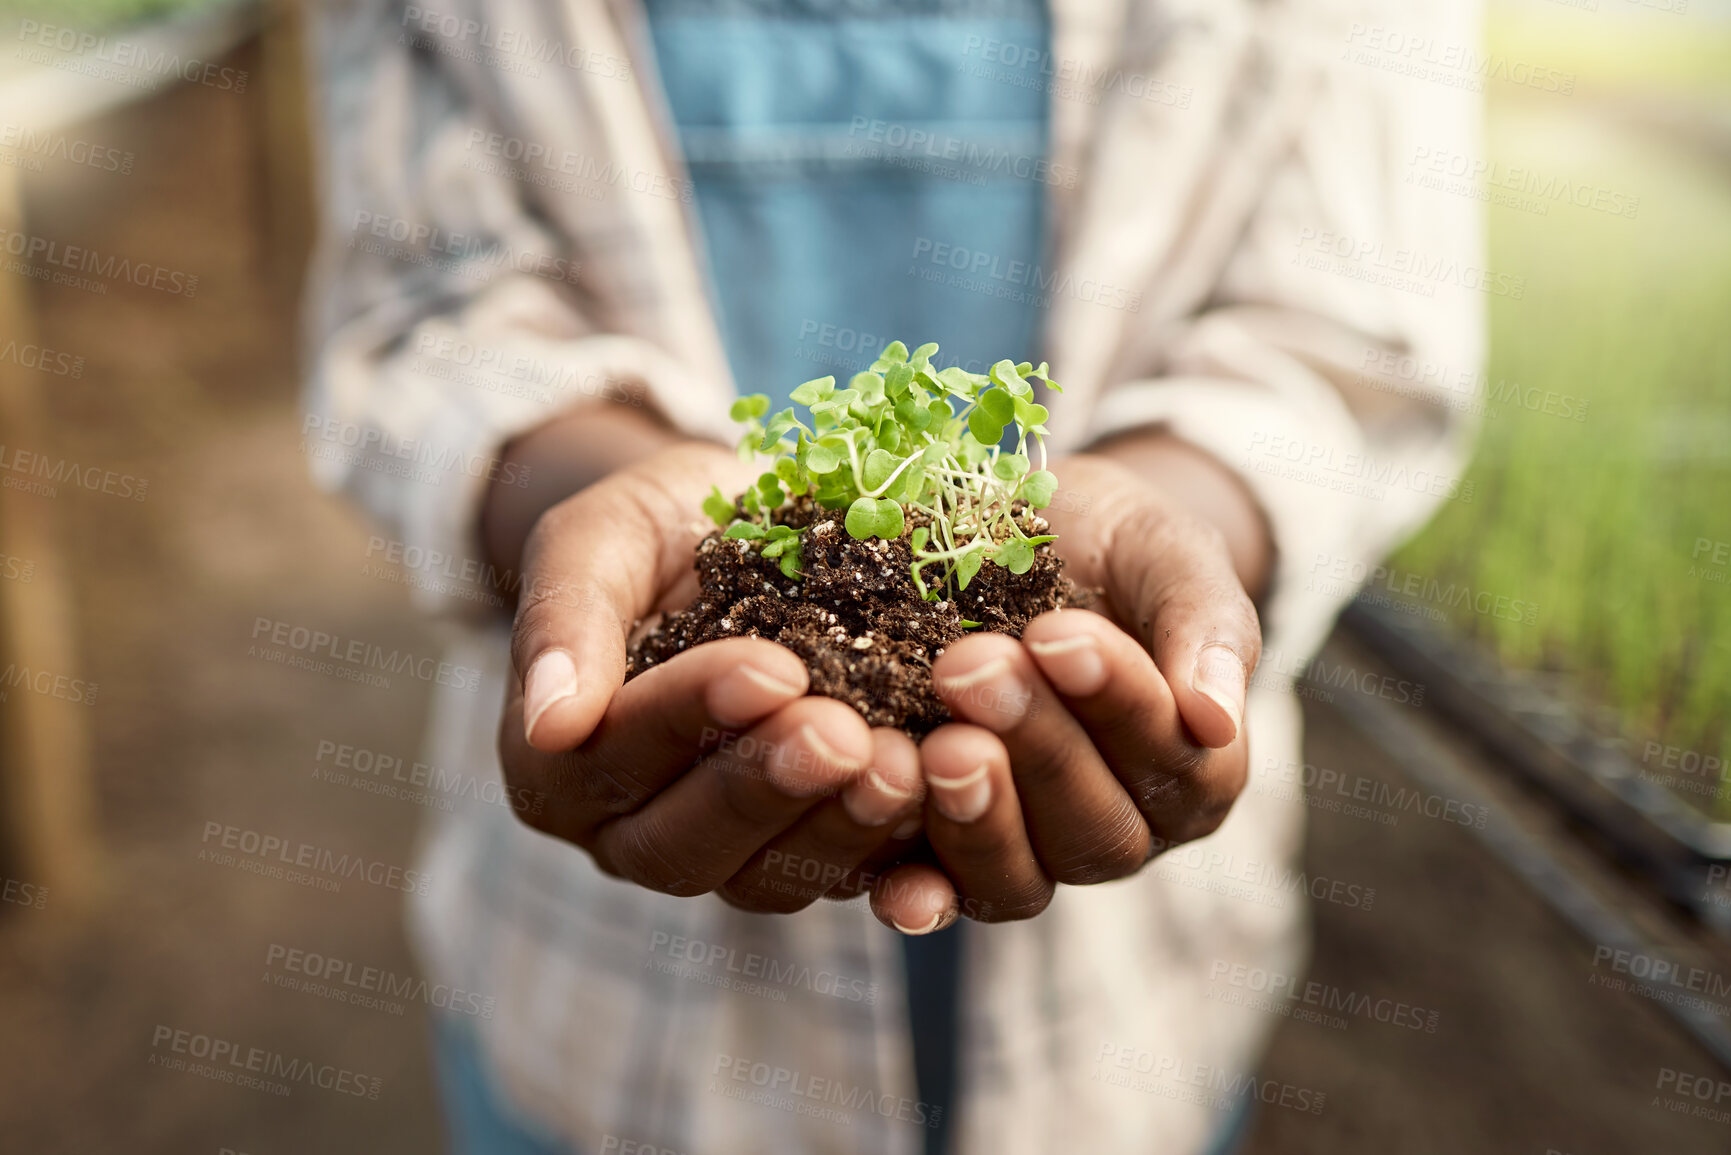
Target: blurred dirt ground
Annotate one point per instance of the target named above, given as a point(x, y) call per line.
point(199, 396)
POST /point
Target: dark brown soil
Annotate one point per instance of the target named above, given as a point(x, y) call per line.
point(856, 617)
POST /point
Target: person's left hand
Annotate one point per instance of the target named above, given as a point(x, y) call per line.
point(1099, 739)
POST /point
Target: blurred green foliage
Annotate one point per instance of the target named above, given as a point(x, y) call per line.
point(94, 14)
point(1609, 523)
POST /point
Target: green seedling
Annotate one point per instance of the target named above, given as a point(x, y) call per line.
point(902, 436)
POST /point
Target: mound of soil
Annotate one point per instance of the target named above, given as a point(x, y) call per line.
point(867, 636)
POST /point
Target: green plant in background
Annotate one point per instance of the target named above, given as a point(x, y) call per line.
point(903, 436)
point(1601, 521)
point(94, 14)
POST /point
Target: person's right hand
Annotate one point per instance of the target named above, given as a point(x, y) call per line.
point(712, 771)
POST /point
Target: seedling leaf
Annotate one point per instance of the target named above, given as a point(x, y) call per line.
point(1015, 555)
point(746, 408)
point(719, 509)
point(968, 565)
point(1037, 488)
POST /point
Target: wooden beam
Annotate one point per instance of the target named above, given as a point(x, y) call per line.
point(51, 835)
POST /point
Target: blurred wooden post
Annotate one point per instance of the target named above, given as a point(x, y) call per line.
point(51, 836)
point(284, 147)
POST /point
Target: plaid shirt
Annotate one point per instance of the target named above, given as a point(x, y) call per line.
point(1248, 255)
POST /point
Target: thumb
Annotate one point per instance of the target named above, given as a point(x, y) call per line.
point(1172, 577)
point(593, 565)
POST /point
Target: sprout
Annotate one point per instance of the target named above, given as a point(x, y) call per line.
point(903, 436)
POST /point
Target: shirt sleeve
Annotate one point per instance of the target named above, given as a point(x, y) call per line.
point(446, 314)
point(1336, 361)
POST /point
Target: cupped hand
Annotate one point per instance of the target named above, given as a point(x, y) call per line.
point(1099, 739)
point(712, 771)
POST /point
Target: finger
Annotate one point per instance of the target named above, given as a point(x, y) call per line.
point(1183, 600)
point(662, 721)
point(914, 898)
point(974, 823)
point(907, 843)
point(824, 847)
point(699, 831)
point(1083, 825)
point(592, 566)
point(1110, 685)
point(655, 727)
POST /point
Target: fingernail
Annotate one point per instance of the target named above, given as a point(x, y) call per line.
point(874, 800)
point(551, 679)
point(963, 799)
point(1072, 664)
point(938, 921)
point(1220, 677)
point(920, 930)
point(809, 765)
point(994, 692)
point(907, 829)
point(826, 753)
point(747, 693)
